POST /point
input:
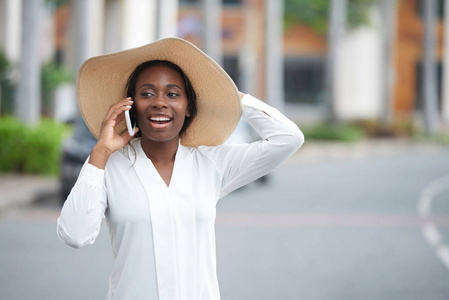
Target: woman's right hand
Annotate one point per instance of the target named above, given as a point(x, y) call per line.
point(109, 141)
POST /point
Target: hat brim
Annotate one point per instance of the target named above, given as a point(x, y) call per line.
point(102, 80)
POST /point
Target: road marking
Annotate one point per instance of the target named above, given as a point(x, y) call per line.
point(443, 255)
point(430, 228)
point(432, 190)
point(431, 234)
point(327, 220)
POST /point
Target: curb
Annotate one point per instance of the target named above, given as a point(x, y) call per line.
point(314, 151)
point(20, 190)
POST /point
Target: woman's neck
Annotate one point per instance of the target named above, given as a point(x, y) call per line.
point(160, 151)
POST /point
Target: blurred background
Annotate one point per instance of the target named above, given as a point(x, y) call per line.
point(360, 212)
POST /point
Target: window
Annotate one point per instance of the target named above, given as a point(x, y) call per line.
point(231, 66)
point(419, 105)
point(225, 2)
point(439, 6)
point(304, 80)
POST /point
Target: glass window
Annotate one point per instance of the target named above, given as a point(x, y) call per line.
point(231, 66)
point(225, 2)
point(439, 6)
point(232, 2)
point(189, 1)
point(419, 105)
point(304, 80)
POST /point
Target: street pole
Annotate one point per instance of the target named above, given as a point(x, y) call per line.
point(388, 12)
point(445, 87)
point(336, 28)
point(212, 11)
point(274, 57)
point(167, 18)
point(28, 100)
point(430, 95)
point(138, 25)
point(247, 53)
point(81, 40)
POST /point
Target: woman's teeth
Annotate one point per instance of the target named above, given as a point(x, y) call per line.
point(160, 119)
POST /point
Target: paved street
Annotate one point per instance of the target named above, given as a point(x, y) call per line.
point(373, 227)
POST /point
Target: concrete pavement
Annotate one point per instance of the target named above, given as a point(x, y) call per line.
point(20, 190)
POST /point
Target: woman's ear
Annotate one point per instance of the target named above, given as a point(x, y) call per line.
point(188, 112)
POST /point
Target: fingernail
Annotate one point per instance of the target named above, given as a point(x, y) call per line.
point(128, 106)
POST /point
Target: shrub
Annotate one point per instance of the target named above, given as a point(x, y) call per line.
point(31, 150)
point(346, 133)
point(13, 139)
point(400, 127)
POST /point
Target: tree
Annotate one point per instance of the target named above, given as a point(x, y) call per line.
point(315, 13)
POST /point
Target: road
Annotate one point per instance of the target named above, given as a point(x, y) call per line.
point(354, 228)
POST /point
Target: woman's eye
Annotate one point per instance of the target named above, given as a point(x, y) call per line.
point(173, 94)
point(146, 94)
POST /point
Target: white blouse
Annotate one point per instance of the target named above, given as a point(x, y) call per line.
point(163, 238)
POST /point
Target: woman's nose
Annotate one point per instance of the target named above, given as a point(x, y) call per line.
point(160, 102)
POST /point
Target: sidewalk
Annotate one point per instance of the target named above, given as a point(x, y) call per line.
point(19, 190)
point(325, 150)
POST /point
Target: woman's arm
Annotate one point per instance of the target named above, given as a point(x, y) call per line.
point(83, 211)
point(242, 163)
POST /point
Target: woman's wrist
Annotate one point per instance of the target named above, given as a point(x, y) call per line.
point(99, 157)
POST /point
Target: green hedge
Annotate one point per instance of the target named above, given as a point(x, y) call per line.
point(344, 133)
point(31, 150)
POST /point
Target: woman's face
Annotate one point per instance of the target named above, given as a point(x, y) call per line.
point(161, 103)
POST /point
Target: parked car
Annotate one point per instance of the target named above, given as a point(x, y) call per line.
point(75, 151)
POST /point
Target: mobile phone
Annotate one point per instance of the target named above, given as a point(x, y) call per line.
point(131, 128)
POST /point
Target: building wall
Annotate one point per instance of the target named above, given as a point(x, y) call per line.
point(408, 53)
point(358, 75)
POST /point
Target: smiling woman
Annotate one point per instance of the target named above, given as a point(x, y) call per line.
point(183, 90)
point(158, 189)
point(161, 97)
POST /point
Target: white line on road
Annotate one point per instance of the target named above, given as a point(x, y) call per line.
point(429, 228)
point(431, 234)
point(443, 254)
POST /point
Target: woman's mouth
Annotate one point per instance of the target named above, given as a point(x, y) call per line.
point(160, 122)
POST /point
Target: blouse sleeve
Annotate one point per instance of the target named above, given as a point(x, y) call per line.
point(239, 164)
point(83, 211)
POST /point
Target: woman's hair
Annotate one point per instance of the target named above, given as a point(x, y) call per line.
point(190, 92)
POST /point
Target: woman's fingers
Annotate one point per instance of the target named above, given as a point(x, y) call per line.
point(108, 138)
point(118, 106)
point(116, 111)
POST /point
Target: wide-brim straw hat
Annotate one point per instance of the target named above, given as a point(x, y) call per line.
point(102, 82)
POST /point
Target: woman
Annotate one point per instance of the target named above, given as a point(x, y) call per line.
point(158, 191)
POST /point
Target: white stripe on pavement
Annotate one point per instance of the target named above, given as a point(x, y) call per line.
point(429, 228)
point(431, 234)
